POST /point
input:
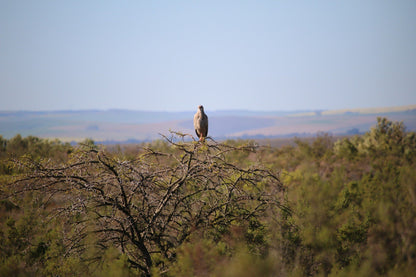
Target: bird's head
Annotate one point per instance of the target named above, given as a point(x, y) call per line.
point(201, 108)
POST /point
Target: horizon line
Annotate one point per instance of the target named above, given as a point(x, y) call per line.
point(406, 107)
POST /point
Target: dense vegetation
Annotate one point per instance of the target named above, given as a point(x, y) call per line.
point(175, 208)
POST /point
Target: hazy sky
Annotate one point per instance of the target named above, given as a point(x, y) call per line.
point(175, 55)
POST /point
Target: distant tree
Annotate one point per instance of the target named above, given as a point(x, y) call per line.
point(385, 138)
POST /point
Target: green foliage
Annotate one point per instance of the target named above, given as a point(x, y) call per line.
point(385, 139)
point(197, 257)
point(146, 208)
point(354, 208)
point(33, 147)
point(346, 207)
point(36, 147)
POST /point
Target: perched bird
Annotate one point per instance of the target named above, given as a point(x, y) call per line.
point(201, 123)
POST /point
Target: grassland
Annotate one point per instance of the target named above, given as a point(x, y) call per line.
point(122, 125)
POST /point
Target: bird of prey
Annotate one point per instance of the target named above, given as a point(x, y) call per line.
point(201, 123)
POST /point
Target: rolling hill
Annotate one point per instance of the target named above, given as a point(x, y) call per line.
point(132, 126)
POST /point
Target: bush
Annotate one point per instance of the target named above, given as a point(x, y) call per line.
point(149, 206)
point(173, 208)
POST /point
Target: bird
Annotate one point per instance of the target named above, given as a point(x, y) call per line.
point(201, 123)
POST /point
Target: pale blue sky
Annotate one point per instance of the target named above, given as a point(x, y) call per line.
point(175, 55)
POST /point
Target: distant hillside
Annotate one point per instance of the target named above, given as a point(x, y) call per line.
point(126, 125)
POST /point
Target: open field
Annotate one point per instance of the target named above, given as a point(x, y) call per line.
point(134, 126)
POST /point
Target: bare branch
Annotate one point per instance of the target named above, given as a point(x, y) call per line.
point(152, 204)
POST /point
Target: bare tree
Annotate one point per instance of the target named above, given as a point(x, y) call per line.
point(148, 206)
